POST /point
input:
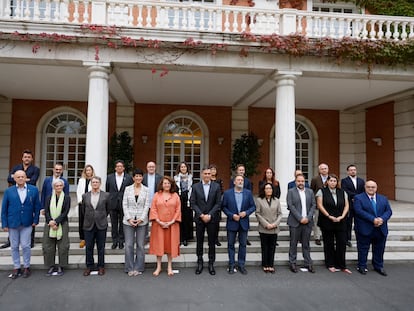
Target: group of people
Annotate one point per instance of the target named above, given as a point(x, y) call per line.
point(330, 211)
point(174, 204)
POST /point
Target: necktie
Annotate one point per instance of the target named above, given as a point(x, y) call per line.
point(374, 206)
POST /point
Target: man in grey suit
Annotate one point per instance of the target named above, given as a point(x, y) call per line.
point(205, 201)
point(93, 223)
point(301, 205)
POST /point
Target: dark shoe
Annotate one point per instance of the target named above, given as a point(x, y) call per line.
point(218, 243)
point(311, 269)
point(16, 273)
point(231, 270)
point(5, 245)
point(114, 245)
point(199, 268)
point(318, 242)
point(277, 244)
point(121, 245)
point(185, 243)
point(60, 271)
point(101, 271)
point(381, 271)
point(293, 268)
point(26, 273)
point(211, 269)
point(87, 272)
point(32, 244)
point(50, 271)
point(248, 242)
point(242, 270)
point(363, 271)
point(349, 244)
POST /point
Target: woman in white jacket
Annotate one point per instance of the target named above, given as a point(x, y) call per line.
point(135, 205)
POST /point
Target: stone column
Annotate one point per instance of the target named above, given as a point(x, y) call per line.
point(97, 123)
point(285, 157)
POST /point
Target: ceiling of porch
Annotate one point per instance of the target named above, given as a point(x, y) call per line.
point(69, 82)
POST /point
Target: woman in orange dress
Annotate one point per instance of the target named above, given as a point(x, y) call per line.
point(165, 216)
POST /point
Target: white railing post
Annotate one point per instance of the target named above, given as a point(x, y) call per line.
point(288, 22)
point(98, 12)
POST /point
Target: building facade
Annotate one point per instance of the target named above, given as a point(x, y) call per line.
point(187, 78)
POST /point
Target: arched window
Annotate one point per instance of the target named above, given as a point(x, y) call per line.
point(182, 140)
point(304, 142)
point(64, 142)
point(303, 149)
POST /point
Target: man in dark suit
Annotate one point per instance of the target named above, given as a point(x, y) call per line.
point(372, 212)
point(205, 200)
point(93, 223)
point(32, 175)
point(292, 184)
point(237, 204)
point(318, 182)
point(19, 214)
point(47, 187)
point(353, 185)
point(115, 185)
point(301, 205)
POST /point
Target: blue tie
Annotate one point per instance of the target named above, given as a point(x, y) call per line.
point(374, 206)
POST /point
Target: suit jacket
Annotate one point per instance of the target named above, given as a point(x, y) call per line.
point(88, 216)
point(133, 208)
point(295, 206)
point(158, 178)
point(47, 189)
point(317, 183)
point(348, 186)
point(63, 217)
point(268, 214)
point(116, 196)
point(365, 215)
point(15, 214)
point(201, 206)
point(32, 173)
point(229, 207)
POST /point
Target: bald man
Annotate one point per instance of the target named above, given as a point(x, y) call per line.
point(372, 212)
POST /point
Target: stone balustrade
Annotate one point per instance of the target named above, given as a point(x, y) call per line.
point(180, 16)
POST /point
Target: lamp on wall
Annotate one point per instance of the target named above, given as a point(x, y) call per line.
point(220, 140)
point(144, 139)
point(377, 140)
point(260, 141)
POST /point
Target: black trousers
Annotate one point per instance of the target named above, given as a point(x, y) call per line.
point(91, 237)
point(186, 224)
point(334, 247)
point(117, 228)
point(268, 245)
point(201, 228)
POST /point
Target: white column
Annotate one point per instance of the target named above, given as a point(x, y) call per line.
point(285, 157)
point(97, 124)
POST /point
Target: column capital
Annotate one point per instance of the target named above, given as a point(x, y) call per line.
point(285, 75)
point(98, 70)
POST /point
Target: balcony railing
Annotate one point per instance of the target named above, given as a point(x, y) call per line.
point(208, 18)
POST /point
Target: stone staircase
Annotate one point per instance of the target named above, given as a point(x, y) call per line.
point(400, 245)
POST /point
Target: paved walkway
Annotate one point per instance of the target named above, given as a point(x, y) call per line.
point(186, 291)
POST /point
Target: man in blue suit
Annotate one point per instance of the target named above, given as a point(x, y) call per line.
point(353, 185)
point(47, 188)
point(372, 212)
point(19, 213)
point(237, 204)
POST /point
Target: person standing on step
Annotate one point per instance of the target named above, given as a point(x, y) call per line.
point(32, 175)
point(19, 214)
point(184, 181)
point(216, 179)
point(237, 204)
point(56, 232)
point(205, 201)
point(372, 212)
point(115, 186)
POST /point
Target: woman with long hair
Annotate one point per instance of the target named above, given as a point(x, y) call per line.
point(269, 177)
